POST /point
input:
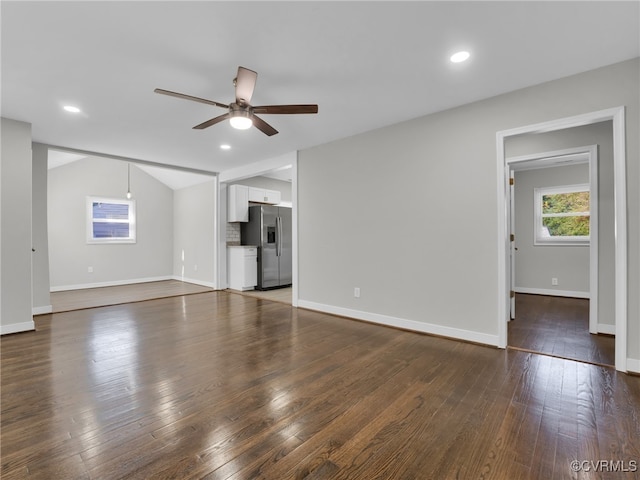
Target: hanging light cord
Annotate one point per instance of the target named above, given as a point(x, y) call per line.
point(128, 180)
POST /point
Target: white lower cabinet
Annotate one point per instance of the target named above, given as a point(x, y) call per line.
point(242, 265)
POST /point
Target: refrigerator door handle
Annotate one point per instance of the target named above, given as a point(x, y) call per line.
point(278, 236)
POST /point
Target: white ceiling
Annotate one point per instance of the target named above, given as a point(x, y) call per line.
point(367, 65)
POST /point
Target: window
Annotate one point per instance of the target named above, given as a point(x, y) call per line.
point(111, 220)
point(562, 215)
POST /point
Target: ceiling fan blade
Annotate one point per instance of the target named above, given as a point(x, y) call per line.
point(286, 109)
point(189, 97)
point(263, 126)
point(213, 121)
point(245, 83)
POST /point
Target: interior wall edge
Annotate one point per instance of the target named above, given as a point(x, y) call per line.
point(17, 327)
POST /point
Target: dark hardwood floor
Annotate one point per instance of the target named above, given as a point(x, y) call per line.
point(559, 326)
point(224, 386)
point(68, 300)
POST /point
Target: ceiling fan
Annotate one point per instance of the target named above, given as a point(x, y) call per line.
point(241, 113)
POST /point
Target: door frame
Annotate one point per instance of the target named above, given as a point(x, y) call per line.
point(617, 116)
point(560, 158)
point(252, 170)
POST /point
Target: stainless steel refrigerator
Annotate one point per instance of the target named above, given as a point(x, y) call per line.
point(270, 229)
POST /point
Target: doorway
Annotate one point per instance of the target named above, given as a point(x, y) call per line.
point(616, 116)
point(554, 219)
point(284, 169)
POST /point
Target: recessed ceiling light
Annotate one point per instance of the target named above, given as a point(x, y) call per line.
point(71, 108)
point(224, 146)
point(460, 57)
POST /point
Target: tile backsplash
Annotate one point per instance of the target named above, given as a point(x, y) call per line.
point(233, 234)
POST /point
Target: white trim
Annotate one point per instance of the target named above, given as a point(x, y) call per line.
point(403, 323)
point(574, 156)
point(194, 281)
point(556, 158)
point(553, 293)
point(221, 234)
point(633, 365)
point(42, 310)
point(216, 234)
point(616, 115)
point(17, 327)
point(504, 248)
point(113, 283)
point(620, 232)
point(605, 328)
point(294, 232)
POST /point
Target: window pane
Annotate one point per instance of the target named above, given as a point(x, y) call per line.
point(565, 202)
point(565, 227)
point(118, 211)
point(110, 230)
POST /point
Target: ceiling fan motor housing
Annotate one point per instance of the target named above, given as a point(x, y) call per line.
point(240, 117)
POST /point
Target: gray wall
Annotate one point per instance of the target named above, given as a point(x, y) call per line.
point(194, 234)
point(600, 134)
point(70, 255)
point(435, 180)
point(537, 264)
point(15, 236)
point(41, 297)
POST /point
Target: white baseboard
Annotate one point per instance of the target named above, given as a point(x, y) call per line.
point(17, 327)
point(551, 292)
point(113, 283)
point(195, 282)
point(608, 329)
point(633, 365)
point(396, 322)
point(42, 310)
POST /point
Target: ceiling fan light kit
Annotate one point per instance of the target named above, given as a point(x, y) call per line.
point(241, 119)
point(240, 113)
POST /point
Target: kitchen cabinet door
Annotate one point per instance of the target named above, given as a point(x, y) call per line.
point(238, 204)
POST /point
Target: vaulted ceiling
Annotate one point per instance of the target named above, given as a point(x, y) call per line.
point(366, 64)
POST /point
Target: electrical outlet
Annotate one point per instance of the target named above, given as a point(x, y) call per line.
point(356, 292)
point(90, 269)
point(195, 268)
point(554, 281)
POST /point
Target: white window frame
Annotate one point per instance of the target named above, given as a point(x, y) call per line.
point(131, 221)
point(538, 228)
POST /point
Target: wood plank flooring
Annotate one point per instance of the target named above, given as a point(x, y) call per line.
point(559, 326)
point(223, 386)
point(104, 296)
point(282, 295)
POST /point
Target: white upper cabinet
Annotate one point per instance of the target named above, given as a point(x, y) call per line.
point(261, 195)
point(238, 204)
point(241, 195)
